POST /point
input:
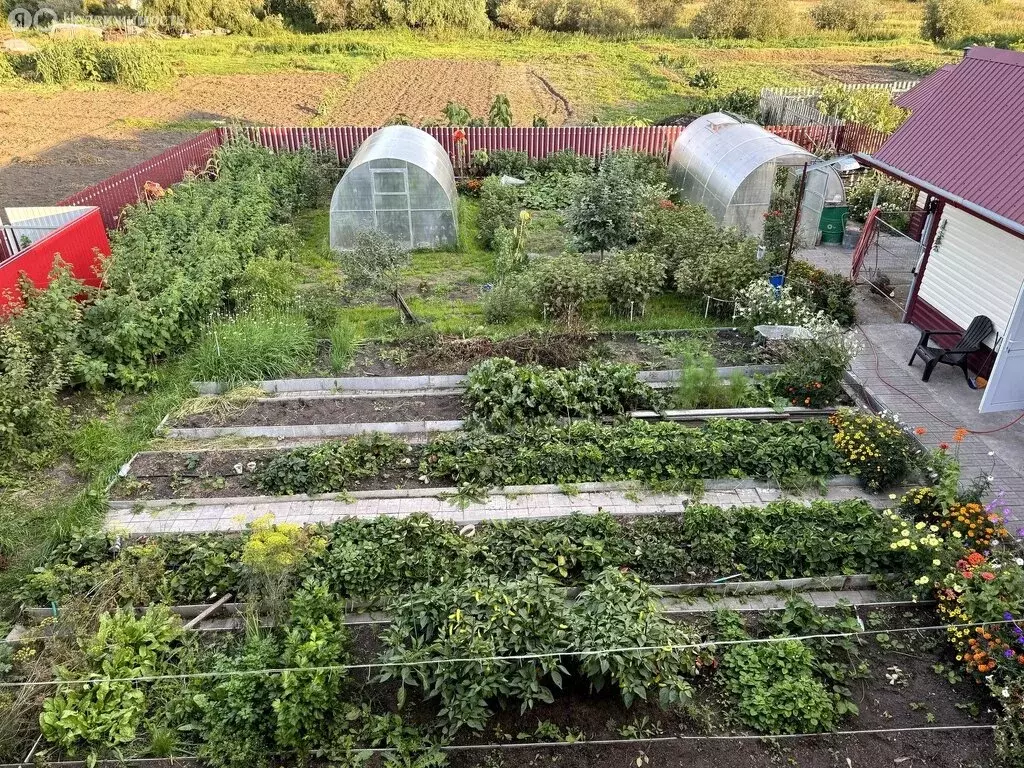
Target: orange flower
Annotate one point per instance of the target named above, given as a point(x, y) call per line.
point(959, 434)
point(920, 431)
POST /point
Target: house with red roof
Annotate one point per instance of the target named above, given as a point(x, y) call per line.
point(963, 148)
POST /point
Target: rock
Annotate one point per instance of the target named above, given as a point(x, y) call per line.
point(76, 30)
point(17, 46)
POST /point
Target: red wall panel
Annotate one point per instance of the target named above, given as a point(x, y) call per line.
point(80, 243)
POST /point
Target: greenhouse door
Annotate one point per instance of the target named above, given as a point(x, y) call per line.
point(391, 209)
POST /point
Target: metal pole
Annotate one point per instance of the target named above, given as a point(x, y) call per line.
point(796, 220)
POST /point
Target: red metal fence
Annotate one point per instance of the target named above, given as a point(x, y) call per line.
point(79, 242)
point(112, 195)
point(844, 139)
point(590, 141)
point(126, 188)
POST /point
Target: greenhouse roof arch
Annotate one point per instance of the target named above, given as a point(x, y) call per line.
point(730, 166)
point(400, 181)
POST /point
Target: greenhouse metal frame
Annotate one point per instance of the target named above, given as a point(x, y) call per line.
point(730, 166)
point(401, 182)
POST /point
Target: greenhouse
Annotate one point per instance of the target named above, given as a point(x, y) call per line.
point(732, 168)
point(400, 181)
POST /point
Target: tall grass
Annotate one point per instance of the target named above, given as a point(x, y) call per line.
point(700, 386)
point(253, 347)
point(345, 340)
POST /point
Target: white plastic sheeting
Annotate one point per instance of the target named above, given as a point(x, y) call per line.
point(401, 182)
point(729, 167)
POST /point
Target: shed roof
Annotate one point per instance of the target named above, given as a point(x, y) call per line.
point(924, 90)
point(964, 138)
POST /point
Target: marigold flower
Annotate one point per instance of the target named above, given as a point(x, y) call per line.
point(959, 434)
point(920, 431)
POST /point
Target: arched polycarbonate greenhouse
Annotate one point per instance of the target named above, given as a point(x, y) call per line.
point(731, 167)
point(400, 181)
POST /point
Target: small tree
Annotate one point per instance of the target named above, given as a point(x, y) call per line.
point(457, 114)
point(952, 19)
point(377, 263)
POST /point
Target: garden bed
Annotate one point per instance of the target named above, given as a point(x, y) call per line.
point(657, 350)
point(331, 410)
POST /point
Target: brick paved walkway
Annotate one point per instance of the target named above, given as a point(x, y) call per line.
point(199, 515)
point(940, 406)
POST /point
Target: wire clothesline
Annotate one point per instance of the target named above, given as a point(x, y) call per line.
point(705, 645)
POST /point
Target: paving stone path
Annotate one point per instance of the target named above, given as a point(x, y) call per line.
point(940, 406)
point(539, 502)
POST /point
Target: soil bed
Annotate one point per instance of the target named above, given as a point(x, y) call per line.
point(456, 355)
point(923, 697)
point(349, 410)
point(220, 474)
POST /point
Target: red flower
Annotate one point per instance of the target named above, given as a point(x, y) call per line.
point(988, 575)
point(460, 135)
point(920, 431)
point(943, 446)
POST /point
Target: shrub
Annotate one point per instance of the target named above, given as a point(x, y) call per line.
point(680, 233)
point(266, 283)
point(812, 369)
point(660, 14)
point(757, 19)
point(827, 292)
point(950, 20)
point(618, 610)
point(875, 448)
point(508, 299)
point(705, 79)
point(376, 263)
point(174, 259)
point(631, 278)
point(136, 66)
point(894, 199)
point(190, 15)
point(460, 620)
point(868, 106)
point(39, 354)
point(502, 394)
point(599, 17)
point(862, 17)
point(507, 162)
point(68, 61)
point(253, 347)
point(499, 207)
point(610, 205)
point(565, 162)
point(560, 286)
point(469, 15)
point(728, 265)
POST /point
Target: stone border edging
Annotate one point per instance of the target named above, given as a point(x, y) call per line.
point(301, 431)
point(756, 587)
point(718, 484)
point(431, 382)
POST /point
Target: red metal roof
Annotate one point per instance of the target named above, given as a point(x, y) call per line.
point(967, 136)
point(924, 90)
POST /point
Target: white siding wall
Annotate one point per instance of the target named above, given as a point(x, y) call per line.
point(974, 269)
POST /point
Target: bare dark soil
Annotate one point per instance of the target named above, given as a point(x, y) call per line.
point(350, 410)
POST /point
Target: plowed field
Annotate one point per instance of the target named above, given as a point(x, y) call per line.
point(420, 89)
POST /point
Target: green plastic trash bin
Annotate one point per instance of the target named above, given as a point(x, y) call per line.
point(833, 223)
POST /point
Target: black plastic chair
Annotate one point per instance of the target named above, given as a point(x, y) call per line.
point(970, 341)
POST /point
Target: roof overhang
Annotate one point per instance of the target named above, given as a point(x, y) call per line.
point(996, 220)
